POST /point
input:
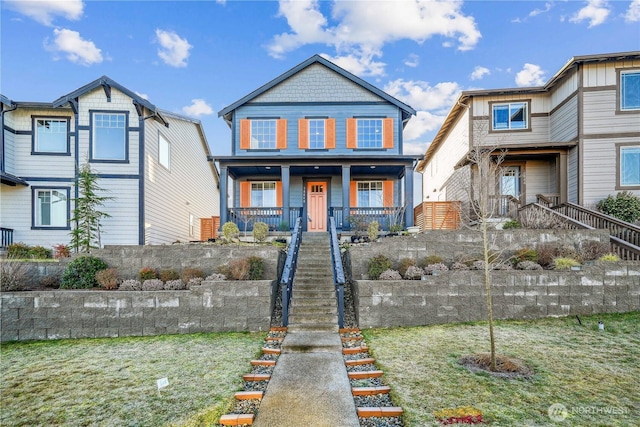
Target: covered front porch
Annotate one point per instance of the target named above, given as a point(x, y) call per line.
point(352, 190)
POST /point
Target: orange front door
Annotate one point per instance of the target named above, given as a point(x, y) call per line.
point(316, 206)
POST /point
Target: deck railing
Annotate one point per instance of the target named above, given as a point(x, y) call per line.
point(244, 218)
point(338, 271)
point(289, 271)
point(360, 218)
point(625, 249)
point(548, 200)
point(7, 237)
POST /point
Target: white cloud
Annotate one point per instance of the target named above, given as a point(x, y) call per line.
point(547, 8)
point(363, 28)
point(142, 95)
point(479, 72)
point(530, 75)
point(198, 108)
point(633, 13)
point(173, 50)
point(412, 60)
point(74, 47)
point(596, 12)
point(45, 11)
point(359, 63)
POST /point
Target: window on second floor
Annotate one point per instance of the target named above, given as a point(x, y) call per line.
point(510, 116)
point(164, 151)
point(630, 90)
point(369, 133)
point(51, 135)
point(50, 207)
point(109, 136)
point(316, 133)
point(263, 194)
point(630, 166)
point(263, 134)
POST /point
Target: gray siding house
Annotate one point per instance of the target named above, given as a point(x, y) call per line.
point(153, 163)
point(575, 139)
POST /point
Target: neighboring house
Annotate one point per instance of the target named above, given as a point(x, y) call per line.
point(575, 139)
point(153, 163)
point(315, 142)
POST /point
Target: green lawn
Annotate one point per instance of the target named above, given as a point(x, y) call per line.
point(112, 382)
point(595, 374)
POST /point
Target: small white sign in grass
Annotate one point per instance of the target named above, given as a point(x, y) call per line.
point(162, 383)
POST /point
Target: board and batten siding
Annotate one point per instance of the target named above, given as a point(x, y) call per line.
point(317, 83)
point(188, 187)
point(442, 164)
point(292, 113)
point(604, 73)
point(564, 90)
point(41, 165)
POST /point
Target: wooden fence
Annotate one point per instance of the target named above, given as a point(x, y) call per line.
point(437, 215)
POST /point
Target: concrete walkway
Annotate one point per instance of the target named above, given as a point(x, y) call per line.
point(309, 386)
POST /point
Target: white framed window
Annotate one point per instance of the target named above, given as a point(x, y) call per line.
point(263, 194)
point(369, 133)
point(316, 133)
point(263, 134)
point(370, 194)
point(51, 135)
point(510, 116)
point(109, 136)
point(164, 151)
point(630, 90)
point(630, 166)
point(50, 207)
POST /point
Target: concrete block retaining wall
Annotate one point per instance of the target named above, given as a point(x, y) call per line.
point(212, 307)
point(451, 245)
point(459, 296)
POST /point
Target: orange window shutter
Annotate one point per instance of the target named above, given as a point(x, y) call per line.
point(388, 133)
point(245, 134)
point(303, 134)
point(330, 133)
point(352, 139)
point(353, 194)
point(281, 134)
point(387, 193)
point(245, 194)
point(278, 194)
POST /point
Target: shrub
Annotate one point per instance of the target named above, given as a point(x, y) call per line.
point(152, 285)
point(61, 251)
point(564, 263)
point(429, 269)
point(167, 275)
point(18, 250)
point(224, 270)
point(377, 265)
point(39, 252)
point(14, 275)
point(526, 254)
point(239, 269)
point(431, 259)
point(624, 206)
point(52, 281)
point(194, 281)
point(191, 273)
point(414, 273)
point(512, 223)
point(405, 263)
point(260, 231)
point(459, 266)
point(256, 267)
point(528, 265)
point(230, 230)
point(131, 285)
point(216, 277)
point(108, 278)
point(81, 273)
point(147, 273)
point(611, 257)
point(390, 275)
point(546, 253)
point(373, 230)
point(174, 285)
point(592, 249)
point(540, 219)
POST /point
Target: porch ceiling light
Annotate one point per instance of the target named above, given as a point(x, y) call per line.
point(267, 167)
point(372, 167)
point(316, 167)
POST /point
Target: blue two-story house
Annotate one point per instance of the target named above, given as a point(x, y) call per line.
point(315, 142)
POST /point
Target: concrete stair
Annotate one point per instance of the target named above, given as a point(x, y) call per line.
point(313, 299)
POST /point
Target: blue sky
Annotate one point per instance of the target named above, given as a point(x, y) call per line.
point(196, 57)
